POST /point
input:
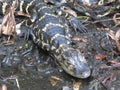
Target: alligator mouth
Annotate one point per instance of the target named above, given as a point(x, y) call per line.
point(75, 64)
point(82, 74)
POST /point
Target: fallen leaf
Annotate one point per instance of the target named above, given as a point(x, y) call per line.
point(56, 78)
point(117, 22)
point(8, 26)
point(117, 39)
point(100, 57)
point(53, 82)
point(111, 34)
point(108, 81)
point(20, 13)
point(77, 38)
point(113, 62)
point(76, 85)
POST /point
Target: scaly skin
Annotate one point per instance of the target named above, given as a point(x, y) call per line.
point(50, 34)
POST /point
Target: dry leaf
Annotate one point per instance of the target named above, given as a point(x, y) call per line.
point(76, 85)
point(56, 78)
point(76, 38)
point(53, 82)
point(22, 14)
point(116, 21)
point(100, 57)
point(113, 61)
point(8, 26)
point(117, 39)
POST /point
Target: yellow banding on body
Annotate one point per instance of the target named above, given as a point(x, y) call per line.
point(53, 47)
point(46, 14)
point(47, 25)
point(51, 24)
point(44, 44)
point(42, 8)
point(60, 46)
point(35, 26)
point(57, 35)
point(21, 5)
point(28, 5)
point(4, 7)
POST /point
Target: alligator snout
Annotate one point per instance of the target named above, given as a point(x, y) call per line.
point(75, 64)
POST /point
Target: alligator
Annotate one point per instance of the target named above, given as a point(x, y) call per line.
point(52, 35)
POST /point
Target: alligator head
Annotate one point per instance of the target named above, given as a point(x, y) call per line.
point(74, 63)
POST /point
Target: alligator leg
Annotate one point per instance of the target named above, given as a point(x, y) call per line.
point(34, 16)
point(25, 31)
point(77, 25)
point(72, 19)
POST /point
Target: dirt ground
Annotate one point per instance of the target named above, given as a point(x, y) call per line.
point(26, 67)
point(36, 70)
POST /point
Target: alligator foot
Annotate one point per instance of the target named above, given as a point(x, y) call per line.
point(25, 31)
point(77, 25)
